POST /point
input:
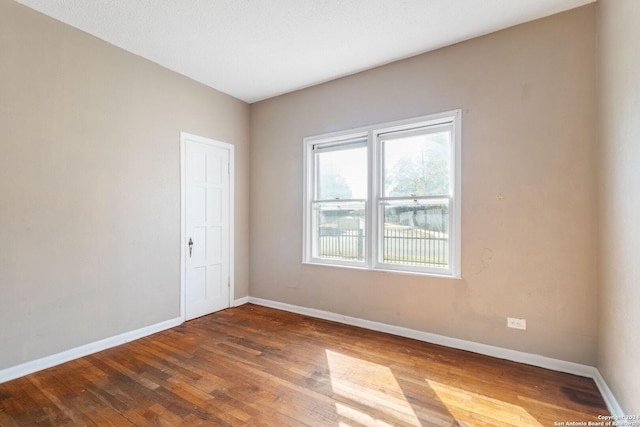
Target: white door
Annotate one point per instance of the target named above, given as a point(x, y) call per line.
point(206, 235)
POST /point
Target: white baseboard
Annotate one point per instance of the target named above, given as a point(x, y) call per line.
point(488, 350)
point(240, 301)
point(84, 350)
point(607, 395)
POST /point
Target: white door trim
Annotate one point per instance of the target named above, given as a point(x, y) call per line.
point(183, 225)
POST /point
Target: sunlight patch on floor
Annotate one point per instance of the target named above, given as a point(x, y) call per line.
point(370, 387)
point(358, 416)
point(461, 402)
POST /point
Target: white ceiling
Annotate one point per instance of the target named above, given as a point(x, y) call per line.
point(256, 49)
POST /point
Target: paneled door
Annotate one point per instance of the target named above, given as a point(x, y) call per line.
point(206, 237)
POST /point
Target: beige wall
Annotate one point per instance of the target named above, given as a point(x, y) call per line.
point(90, 185)
point(529, 202)
point(619, 274)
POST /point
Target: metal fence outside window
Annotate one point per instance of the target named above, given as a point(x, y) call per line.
point(403, 245)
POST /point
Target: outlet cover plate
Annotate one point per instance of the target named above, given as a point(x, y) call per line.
point(513, 322)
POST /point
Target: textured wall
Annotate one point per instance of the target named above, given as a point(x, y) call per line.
point(90, 185)
point(528, 190)
point(619, 278)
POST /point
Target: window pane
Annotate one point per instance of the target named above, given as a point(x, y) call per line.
point(342, 174)
point(416, 233)
point(340, 231)
point(417, 165)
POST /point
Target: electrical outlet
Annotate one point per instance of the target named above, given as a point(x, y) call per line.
point(515, 323)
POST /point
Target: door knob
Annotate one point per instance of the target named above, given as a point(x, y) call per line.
point(190, 246)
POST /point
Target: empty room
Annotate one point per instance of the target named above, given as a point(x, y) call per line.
point(322, 213)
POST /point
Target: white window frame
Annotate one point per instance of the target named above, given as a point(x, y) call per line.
point(374, 203)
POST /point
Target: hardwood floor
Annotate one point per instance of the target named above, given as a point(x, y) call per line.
point(257, 366)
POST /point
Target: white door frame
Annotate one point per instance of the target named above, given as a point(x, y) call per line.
point(183, 223)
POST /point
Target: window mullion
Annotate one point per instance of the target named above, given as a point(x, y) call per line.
point(372, 207)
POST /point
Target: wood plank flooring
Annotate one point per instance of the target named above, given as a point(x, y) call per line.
point(257, 366)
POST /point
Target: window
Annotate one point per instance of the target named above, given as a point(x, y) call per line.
point(386, 197)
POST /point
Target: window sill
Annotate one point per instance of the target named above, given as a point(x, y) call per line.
point(382, 270)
